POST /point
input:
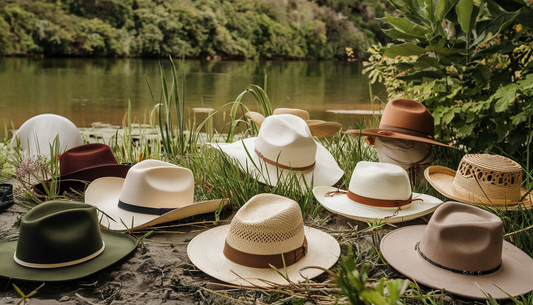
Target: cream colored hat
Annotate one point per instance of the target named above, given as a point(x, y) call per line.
point(285, 147)
point(460, 248)
point(153, 192)
point(38, 133)
point(377, 191)
point(482, 178)
point(318, 128)
point(266, 227)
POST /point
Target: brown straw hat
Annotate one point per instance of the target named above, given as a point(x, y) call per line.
point(482, 178)
point(266, 227)
point(404, 119)
point(318, 128)
point(460, 248)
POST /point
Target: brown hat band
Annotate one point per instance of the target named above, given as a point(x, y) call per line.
point(303, 168)
point(382, 203)
point(465, 272)
point(264, 261)
point(404, 130)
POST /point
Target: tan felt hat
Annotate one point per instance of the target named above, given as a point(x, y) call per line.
point(377, 191)
point(285, 148)
point(486, 179)
point(153, 192)
point(404, 119)
point(461, 247)
point(266, 227)
point(318, 128)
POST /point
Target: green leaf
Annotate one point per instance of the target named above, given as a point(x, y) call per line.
point(393, 33)
point(443, 7)
point(406, 26)
point(425, 61)
point(526, 84)
point(482, 75)
point(442, 50)
point(464, 11)
point(406, 49)
point(494, 28)
point(505, 97)
point(519, 118)
point(404, 66)
point(373, 297)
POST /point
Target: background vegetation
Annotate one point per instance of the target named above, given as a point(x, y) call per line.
point(227, 28)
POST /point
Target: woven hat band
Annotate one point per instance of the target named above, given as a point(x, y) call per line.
point(404, 131)
point(303, 168)
point(382, 203)
point(59, 265)
point(264, 261)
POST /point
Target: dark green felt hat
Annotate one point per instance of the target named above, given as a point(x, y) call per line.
point(61, 241)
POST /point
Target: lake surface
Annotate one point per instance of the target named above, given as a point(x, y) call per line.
point(98, 90)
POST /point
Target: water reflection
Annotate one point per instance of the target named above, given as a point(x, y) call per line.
point(98, 90)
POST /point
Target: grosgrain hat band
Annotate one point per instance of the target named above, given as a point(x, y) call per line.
point(382, 203)
point(303, 168)
point(143, 210)
point(58, 265)
point(264, 261)
point(465, 272)
point(405, 131)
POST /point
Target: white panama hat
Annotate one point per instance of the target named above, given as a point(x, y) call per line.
point(265, 227)
point(39, 132)
point(285, 147)
point(377, 191)
point(153, 192)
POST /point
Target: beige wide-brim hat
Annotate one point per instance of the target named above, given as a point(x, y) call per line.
point(104, 194)
point(341, 204)
point(206, 252)
point(325, 172)
point(514, 277)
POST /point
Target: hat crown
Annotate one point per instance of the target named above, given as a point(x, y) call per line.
point(463, 237)
point(493, 176)
point(287, 140)
point(383, 181)
point(267, 224)
point(158, 184)
point(85, 156)
point(409, 115)
point(57, 232)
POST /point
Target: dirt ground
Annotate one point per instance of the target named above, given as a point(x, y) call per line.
point(159, 270)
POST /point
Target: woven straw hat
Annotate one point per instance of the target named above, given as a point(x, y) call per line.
point(318, 128)
point(460, 246)
point(153, 192)
point(38, 133)
point(404, 119)
point(283, 148)
point(62, 241)
point(85, 163)
point(481, 178)
point(264, 228)
point(377, 191)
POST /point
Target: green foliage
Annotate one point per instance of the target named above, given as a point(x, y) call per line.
point(469, 62)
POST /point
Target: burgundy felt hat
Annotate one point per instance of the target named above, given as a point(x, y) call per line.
point(86, 163)
point(404, 119)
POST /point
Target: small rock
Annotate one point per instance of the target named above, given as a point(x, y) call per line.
point(64, 299)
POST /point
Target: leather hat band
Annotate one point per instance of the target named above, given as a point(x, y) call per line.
point(303, 168)
point(382, 203)
point(143, 210)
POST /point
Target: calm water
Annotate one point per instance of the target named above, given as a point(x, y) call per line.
point(98, 90)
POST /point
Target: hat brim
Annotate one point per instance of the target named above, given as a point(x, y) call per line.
point(441, 178)
point(325, 172)
point(341, 204)
point(117, 246)
point(318, 128)
point(514, 277)
point(80, 179)
point(375, 132)
point(104, 194)
point(206, 252)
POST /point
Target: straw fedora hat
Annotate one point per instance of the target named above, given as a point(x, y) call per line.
point(285, 147)
point(404, 119)
point(61, 241)
point(82, 164)
point(39, 132)
point(377, 191)
point(153, 192)
point(460, 247)
point(482, 178)
point(266, 227)
point(318, 128)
